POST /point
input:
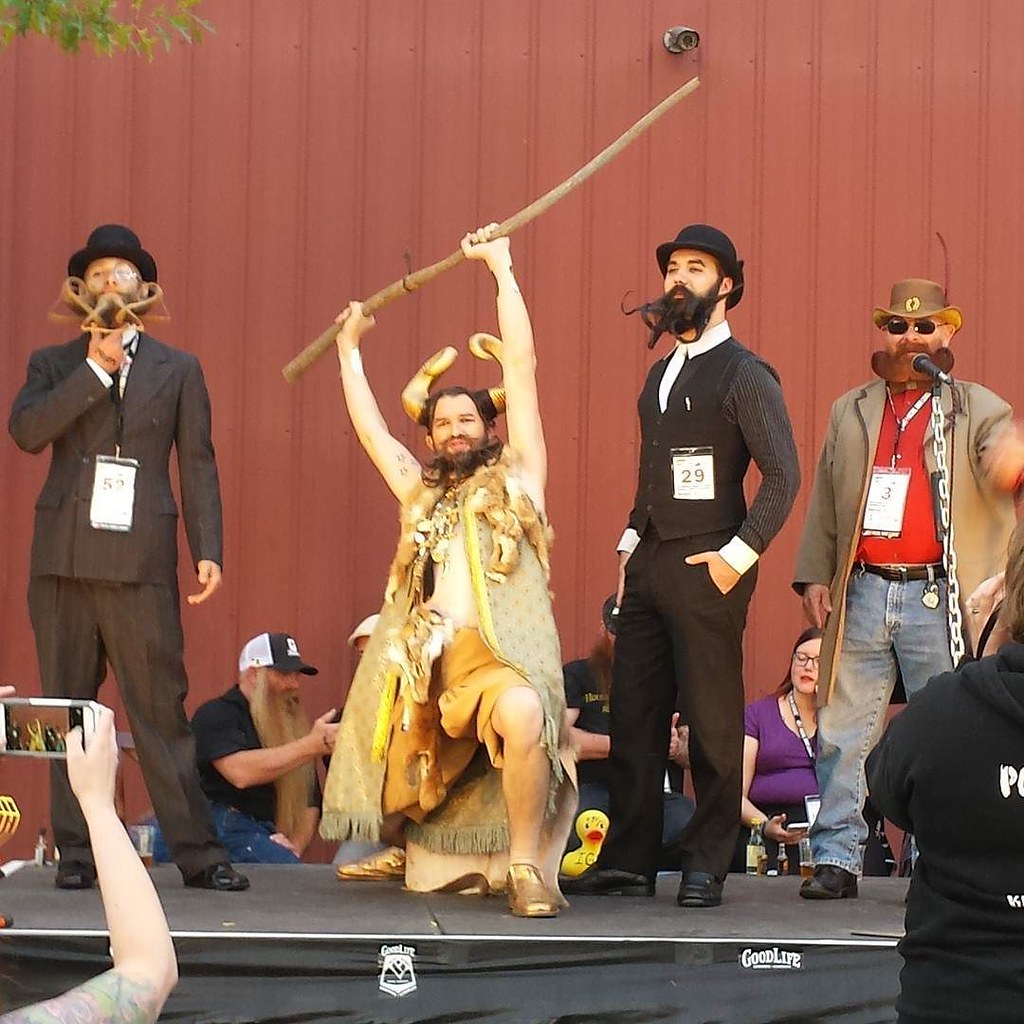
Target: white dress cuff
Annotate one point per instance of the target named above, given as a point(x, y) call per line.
point(739, 555)
point(628, 541)
point(101, 373)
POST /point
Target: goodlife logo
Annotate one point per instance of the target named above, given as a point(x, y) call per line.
point(397, 975)
point(773, 959)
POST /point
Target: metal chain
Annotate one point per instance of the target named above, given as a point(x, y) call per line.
point(941, 452)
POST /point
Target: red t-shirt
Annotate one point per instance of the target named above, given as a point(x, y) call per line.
point(917, 545)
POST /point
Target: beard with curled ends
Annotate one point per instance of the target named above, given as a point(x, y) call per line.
point(109, 310)
point(677, 312)
point(896, 368)
point(444, 470)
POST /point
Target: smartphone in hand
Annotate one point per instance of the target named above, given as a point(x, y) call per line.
point(38, 726)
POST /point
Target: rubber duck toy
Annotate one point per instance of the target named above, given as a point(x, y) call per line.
point(591, 827)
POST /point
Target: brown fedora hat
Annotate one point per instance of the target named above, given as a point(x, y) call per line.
point(916, 299)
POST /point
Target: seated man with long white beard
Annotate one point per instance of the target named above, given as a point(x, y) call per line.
point(257, 754)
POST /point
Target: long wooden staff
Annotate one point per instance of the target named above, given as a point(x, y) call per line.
point(412, 281)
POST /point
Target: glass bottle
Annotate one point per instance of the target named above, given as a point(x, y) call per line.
point(757, 855)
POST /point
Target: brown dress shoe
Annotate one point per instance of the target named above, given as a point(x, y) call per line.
point(388, 864)
point(528, 896)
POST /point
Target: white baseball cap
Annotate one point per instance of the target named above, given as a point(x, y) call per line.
point(279, 651)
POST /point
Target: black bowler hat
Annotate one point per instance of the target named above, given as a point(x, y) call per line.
point(113, 240)
point(705, 238)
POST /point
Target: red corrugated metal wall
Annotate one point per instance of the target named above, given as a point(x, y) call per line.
point(288, 163)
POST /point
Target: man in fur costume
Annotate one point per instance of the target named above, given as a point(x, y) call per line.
point(455, 717)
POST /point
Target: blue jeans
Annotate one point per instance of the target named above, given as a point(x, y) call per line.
point(887, 629)
point(246, 839)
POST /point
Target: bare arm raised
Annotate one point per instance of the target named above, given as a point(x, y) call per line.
point(398, 466)
point(519, 361)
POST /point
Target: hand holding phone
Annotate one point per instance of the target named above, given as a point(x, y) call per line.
point(91, 770)
point(38, 726)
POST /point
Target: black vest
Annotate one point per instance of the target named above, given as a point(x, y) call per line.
point(692, 419)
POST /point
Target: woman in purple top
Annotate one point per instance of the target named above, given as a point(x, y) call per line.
point(779, 748)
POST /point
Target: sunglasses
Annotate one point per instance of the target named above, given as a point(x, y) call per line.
point(897, 325)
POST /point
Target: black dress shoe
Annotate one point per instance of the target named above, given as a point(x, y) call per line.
point(222, 877)
point(699, 889)
point(75, 874)
point(829, 883)
point(607, 882)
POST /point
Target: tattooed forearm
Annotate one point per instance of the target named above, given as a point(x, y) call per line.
point(110, 998)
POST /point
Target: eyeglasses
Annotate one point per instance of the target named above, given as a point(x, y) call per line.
point(807, 660)
point(897, 325)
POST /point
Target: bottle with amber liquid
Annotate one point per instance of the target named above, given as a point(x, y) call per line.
point(757, 855)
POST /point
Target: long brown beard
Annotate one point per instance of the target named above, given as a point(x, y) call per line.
point(600, 661)
point(279, 719)
point(897, 367)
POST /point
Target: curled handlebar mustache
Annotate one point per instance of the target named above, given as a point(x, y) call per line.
point(675, 312)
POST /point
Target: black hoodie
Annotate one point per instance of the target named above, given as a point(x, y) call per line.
point(950, 769)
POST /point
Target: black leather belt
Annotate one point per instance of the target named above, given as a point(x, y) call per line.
point(902, 573)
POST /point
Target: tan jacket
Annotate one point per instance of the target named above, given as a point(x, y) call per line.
point(983, 518)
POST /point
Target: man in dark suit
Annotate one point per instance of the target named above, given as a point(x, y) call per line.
point(706, 411)
point(110, 405)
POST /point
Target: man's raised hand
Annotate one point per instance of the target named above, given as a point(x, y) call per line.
point(481, 245)
point(353, 324)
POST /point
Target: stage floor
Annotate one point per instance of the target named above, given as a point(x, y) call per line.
point(763, 955)
point(309, 900)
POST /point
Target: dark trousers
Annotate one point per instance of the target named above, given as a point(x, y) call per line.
point(78, 626)
point(679, 643)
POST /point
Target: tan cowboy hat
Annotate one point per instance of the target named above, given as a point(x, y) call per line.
point(917, 298)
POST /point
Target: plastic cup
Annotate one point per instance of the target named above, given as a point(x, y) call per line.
point(806, 857)
point(143, 839)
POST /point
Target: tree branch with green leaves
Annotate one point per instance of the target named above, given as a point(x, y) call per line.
point(108, 26)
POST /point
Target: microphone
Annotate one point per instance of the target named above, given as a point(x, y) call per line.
point(923, 364)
